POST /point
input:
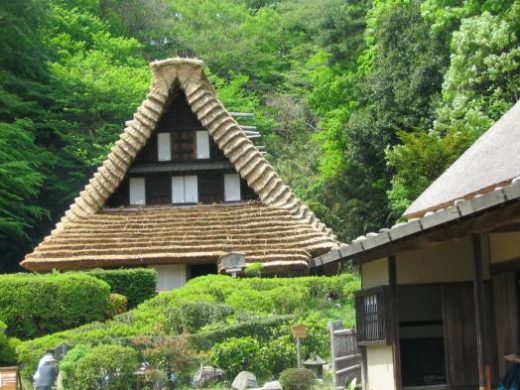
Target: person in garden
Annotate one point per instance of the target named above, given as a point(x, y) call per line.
point(46, 373)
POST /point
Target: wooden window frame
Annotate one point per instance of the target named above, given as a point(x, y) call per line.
point(374, 316)
point(133, 198)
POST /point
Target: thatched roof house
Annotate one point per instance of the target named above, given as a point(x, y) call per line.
point(183, 186)
point(440, 301)
point(491, 161)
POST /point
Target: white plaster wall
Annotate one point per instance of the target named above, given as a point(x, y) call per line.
point(374, 274)
point(380, 364)
point(504, 246)
point(450, 261)
point(170, 276)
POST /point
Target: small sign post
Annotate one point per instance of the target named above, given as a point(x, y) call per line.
point(299, 332)
point(233, 263)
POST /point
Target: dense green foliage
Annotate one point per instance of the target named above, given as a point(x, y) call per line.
point(33, 305)
point(251, 354)
point(136, 284)
point(297, 379)
point(361, 104)
point(68, 365)
point(224, 321)
point(109, 367)
point(7, 346)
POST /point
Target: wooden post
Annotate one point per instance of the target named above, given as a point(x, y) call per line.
point(394, 325)
point(481, 317)
point(299, 352)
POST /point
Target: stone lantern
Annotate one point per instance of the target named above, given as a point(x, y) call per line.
point(315, 364)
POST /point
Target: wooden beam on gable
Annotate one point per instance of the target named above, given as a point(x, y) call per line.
point(242, 114)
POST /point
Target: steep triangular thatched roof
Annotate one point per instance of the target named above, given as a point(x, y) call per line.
point(493, 160)
point(86, 217)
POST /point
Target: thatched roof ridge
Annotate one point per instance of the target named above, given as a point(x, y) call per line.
point(249, 163)
point(492, 161)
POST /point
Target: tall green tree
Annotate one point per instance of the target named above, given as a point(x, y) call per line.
point(480, 84)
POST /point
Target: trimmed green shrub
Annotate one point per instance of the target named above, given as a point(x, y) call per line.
point(33, 304)
point(248, 353)
point(118, 305)
point(194, 315)
point(297, 379)
point(7, 346)
point(108, 367)
point(261, 327)
point(136, 284)
point(68, 365)
point(165, 314)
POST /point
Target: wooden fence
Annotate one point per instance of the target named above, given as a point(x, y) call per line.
point(345, 355)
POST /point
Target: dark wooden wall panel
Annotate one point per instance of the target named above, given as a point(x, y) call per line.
point(182, 123)
point(247, 192)
point(211, 188)
point(121, 196)
point(506, 312)
point(158, 189)
point(460, 334)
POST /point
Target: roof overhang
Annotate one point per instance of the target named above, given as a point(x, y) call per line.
point(481, 214)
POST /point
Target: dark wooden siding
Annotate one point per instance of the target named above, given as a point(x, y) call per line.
point(247, 192)
point(211, 188)
point(120, 197)
point(507, 304)
point(158, 189)
point(182, 124)
point(460, 337)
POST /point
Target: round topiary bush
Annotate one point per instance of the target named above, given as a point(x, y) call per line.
point(33, 305)
point(108, 367)
point(297, 379)
point(118, 304)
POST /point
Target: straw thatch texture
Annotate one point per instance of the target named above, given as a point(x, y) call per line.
point(493, 160)
point(279, 230)
point(187, 235)
point(249, 163)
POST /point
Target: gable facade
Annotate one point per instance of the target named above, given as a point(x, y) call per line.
point(184, 184)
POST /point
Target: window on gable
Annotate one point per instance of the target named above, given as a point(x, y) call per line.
point(164, 147)
point(185, 189)
point(202, 144)
point(232, 187)
point(137, 191)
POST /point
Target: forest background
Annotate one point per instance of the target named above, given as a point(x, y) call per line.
point(361, 104)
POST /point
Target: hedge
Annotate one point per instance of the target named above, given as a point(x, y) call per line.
point(7, 347)
point(212, 310)
point(36, 304)
point(136, 284)
point(261, 328)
